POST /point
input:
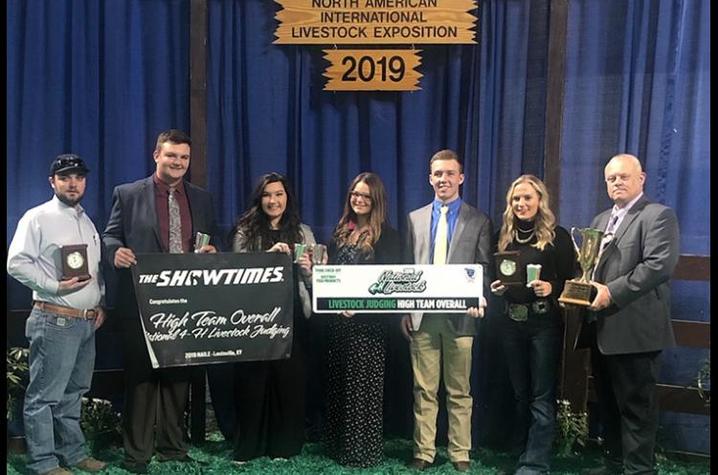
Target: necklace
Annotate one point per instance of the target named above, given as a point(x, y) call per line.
point(525, 240)
point(526, 231)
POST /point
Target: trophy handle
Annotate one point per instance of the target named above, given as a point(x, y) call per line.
point(573, 239)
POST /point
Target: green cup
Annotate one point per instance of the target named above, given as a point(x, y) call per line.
point(533, 272)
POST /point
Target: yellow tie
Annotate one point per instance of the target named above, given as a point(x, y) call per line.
point(442, 232)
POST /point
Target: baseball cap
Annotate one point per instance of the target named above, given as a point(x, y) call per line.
point(68, 163)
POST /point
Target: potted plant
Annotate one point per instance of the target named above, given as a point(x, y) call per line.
point(572, 430)
point(17, 379)
point(100, 423)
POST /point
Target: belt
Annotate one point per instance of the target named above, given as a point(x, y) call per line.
point(519, 312)
point(84, 314)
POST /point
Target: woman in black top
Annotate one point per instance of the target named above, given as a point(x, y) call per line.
point(533, 325)
point(356, 342)
point(270, 395)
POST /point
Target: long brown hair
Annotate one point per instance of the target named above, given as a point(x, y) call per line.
point(254, 223)
point(544, 220)
point(377, 216)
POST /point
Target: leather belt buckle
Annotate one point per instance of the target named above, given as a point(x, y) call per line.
point(88, 314)
point(518, 312)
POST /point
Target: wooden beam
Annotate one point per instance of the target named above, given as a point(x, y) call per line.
point(575, 364)
point(198, 91)
point(198, 131)
point(555, 81)
point(671, 398)
point(692, 334)
point(691, 267)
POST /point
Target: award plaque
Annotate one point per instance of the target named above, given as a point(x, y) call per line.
point(509, 269)
point(580, 291)
point(74, 262)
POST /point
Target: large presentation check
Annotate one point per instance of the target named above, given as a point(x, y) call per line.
point(449, 288)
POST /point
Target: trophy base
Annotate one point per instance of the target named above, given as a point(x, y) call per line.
point(577, 293)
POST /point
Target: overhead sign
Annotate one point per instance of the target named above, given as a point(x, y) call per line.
point(375, 22)
point(372, 70)
point(449, 288)
point(213, 308)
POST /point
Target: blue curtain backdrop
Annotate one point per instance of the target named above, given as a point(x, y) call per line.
point(103, 78)
point(267, 112)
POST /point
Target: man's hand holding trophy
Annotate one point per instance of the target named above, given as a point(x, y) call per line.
point(579, 291)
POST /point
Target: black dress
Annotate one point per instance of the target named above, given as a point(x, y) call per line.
point(355, 371)
point(270, 398)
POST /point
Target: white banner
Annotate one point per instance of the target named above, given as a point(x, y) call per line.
point(449, 288)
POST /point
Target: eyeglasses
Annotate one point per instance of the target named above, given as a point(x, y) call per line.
point(364, 196)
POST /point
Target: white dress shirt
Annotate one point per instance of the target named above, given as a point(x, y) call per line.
point(34, 255)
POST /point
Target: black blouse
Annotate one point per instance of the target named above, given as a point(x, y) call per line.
point(558, 264)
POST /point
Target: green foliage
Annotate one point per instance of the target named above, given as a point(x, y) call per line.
point(703, 382)
point(17, 376)
point(572, 429)
point(100, 423)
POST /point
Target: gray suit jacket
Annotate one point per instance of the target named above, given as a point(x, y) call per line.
point(636, 266)
point(470, 244)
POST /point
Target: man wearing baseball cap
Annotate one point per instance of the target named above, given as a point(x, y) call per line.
point(67, 310)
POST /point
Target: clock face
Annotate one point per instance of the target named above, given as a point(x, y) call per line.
point(508, 267)
point(75, 260)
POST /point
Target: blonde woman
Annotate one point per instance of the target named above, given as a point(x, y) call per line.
point(532, 326)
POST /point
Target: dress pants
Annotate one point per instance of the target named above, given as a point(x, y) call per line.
point(626, 388)
point(155, 402)
point(435, 346)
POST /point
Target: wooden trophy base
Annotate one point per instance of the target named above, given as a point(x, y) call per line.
point(576, 293)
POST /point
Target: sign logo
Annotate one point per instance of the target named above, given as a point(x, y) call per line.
point(390, 282)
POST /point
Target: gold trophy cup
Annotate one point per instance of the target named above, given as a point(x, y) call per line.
point(578, 291)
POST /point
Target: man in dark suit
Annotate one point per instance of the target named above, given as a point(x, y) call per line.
point(160, 213)
point(630, 321)
point(446, 231)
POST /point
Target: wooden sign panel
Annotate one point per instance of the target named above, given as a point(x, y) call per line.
point(376, 22)
point(372, 70)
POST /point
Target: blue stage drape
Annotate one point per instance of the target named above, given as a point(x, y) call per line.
point(267, 112)
point(103, 78)
point(100, 79)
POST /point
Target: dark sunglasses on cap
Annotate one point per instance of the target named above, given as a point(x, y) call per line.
point(68, 163)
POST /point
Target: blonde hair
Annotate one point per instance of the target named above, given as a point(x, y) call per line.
point(544, 221)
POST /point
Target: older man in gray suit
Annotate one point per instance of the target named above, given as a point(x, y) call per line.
point(447, 231)
point(630, 321)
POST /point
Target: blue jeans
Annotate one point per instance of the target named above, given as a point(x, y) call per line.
point(62, 358)
point(532, 350)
